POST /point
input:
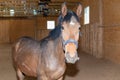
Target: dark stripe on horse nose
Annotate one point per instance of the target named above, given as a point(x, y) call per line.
point(70, 41)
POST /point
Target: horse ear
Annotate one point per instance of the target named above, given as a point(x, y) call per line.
point(64, 9)
point(79, 10)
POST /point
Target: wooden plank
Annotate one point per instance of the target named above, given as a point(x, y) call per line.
point(22, 27)
point(4, 31)
point(112, 43)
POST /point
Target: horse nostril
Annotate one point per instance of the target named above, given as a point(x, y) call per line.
point(67, 55)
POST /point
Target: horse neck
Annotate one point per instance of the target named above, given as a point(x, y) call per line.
point(58, 46)
point(59, 50)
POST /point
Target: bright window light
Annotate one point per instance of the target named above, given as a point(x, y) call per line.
point(50, 24)
point(87, 15)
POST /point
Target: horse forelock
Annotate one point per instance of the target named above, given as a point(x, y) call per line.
point(69, 16)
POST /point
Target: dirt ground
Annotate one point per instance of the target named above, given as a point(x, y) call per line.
point(88, 68)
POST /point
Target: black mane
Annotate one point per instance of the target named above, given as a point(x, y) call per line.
point(54, 34)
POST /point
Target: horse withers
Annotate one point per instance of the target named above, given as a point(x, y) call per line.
point(46, 59)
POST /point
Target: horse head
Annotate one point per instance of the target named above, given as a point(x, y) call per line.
point(70, 25)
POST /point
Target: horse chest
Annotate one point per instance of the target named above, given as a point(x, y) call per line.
point(52, 64)
point(55, 70)
point(54, 67)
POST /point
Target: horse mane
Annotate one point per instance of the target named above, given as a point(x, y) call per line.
point(53, 35)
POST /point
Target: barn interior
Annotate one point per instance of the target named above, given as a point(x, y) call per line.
point(99, 43)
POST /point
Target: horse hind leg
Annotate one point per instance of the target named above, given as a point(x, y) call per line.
point(19, 74)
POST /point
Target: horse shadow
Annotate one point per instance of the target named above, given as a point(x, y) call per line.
point(30, 78)
point(71, 70)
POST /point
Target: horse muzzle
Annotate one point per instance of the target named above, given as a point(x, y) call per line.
point(70, 48)
point(70, 59)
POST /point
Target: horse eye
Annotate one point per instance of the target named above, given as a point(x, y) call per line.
point(79, 28)
point(62, 28)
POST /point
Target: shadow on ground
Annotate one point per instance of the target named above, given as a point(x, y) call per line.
point(30, 78)
point(71, 70)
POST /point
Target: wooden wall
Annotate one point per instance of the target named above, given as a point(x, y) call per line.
point(91, 40)
point(21, 27)
point(101, 37)
point(13, 28)
point(42, 30)
point(4, 31)
point(111, 25)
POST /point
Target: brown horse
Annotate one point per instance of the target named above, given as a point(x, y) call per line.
point(46, 59)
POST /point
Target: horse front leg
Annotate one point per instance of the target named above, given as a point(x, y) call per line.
point(19, 74)
point(61, 78)
point(42, 78)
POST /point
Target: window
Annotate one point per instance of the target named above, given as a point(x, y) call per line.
point(87, 15)
point(12, 12)
point(50, 24)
